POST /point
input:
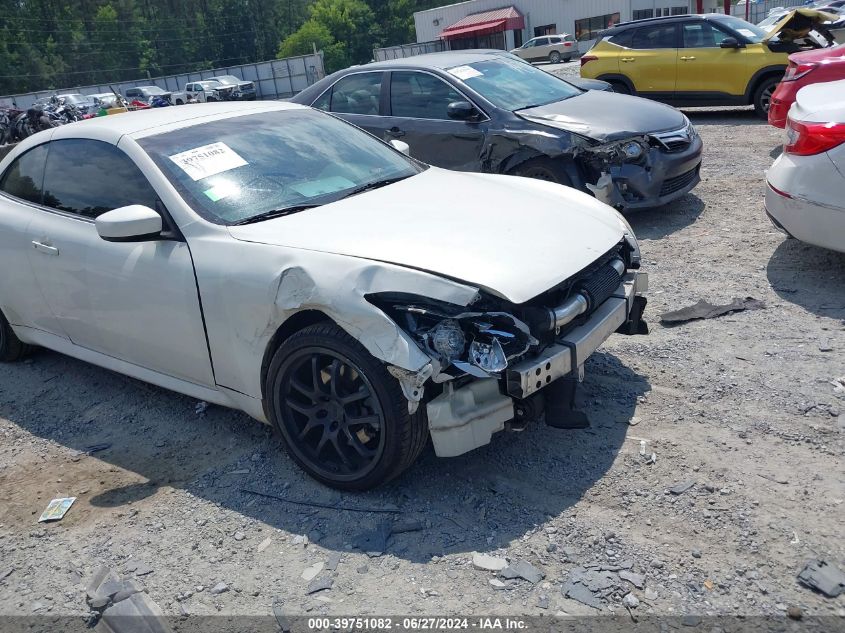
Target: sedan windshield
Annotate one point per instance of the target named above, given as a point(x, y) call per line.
point(513, 85)
point(248, 168)
point(753, 34)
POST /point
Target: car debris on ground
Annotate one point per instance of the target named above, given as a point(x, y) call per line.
point(823, 577)
point(705, 310)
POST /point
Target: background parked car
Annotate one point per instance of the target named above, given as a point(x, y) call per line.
point(241, 90)
point(476, 111)
point(804, 186)
point(551, 48)
point(808, 67)
point(202, 92)
point(698, 60)
point(146, 93)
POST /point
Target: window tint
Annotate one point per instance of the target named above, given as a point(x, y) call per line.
point(622, 38)
point(654, 36)
point(24, 177)
point(91, 177)
point(324, 101)
point(357, 94)
point(555, 40)
point(702, 35)
point(420, 96)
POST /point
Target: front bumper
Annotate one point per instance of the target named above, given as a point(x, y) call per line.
point(660, 178)
point(571, 350)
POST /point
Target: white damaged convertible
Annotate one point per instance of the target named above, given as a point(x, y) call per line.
point(274, 259)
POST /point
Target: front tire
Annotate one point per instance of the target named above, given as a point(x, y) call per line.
point(342, 417)
point(11, 347)
point(543, 168)
point(763, 96)
point(620, 87)
point(554, 57)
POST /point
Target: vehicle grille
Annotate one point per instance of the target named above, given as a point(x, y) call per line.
point(676, 183)
point(675, 141)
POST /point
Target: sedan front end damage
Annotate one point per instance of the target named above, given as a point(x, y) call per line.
point(499, 364)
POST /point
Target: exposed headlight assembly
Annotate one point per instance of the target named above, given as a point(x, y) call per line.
point(477, 343)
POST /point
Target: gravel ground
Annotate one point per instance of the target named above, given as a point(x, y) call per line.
point(744, 406)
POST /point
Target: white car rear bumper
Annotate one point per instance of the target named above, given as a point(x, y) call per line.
point(803, 199)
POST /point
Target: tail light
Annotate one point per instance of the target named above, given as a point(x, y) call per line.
point(567, 43)
point(587, 58)
point(807, 139)
point(796, 71)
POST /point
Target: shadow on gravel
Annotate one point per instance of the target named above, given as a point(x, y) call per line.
point(478, 501)
point(728, 116)
point(652, 224)
point(808, 276)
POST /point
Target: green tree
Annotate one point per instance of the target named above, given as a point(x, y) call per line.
point(311, 34)
point(351, 22)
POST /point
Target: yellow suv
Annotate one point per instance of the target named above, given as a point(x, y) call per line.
point(697, 60)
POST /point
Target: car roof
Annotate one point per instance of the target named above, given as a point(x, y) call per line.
point(446, 59)
point(623, 26)
point(158, 120)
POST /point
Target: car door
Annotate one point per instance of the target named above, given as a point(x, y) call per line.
point(541, 49)
point(135, 301)
point(525, 51)
point(21, 300)
point(418, 103)
point(356, 98)
point(705, 70)
point(651, 62)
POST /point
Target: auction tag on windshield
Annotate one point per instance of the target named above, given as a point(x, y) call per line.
point(464, 72)
point(205, 161)
point(746, 32)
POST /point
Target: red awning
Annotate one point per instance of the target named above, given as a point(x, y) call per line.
point(484, 23)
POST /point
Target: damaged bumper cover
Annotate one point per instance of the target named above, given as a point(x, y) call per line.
point(643, 172)
point(570, 351)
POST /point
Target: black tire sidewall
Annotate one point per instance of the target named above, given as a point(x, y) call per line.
point(11, 348)
point(557, 172)
point(758, 95)
point(385, 388)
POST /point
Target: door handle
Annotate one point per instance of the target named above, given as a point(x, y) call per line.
point(687, 59)
point(45, 248)
point(626, 59)
point(396, 132)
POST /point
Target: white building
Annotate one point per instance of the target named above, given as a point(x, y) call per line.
point(507, 24)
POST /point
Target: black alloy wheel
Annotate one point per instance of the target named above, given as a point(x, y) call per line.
point(341, 415)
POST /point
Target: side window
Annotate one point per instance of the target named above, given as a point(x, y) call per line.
point(555, 40)
point(654, 36)
point(702, 35)
point(420, 96)
point(357, 94)
point(323, 101)
point(25, 176)
point(91, 177)
point(622, 38)
point(543, 41)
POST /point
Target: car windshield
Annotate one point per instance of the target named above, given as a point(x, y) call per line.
point(153, 90)
point(753, 34)
point(210, 84)
point(242, 168)
point(228, 80)
point(513, 85)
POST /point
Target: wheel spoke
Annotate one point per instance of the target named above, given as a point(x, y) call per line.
point(359, 447)
point(301, 388)
point(310, 426)
point(301, 408)
point(362, 393)
point(334, 378)
point(343, 458)
point(315, 375)
point(372, 420)
point(322, 442)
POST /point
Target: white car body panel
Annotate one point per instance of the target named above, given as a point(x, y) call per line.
point(814, 212)
point(144, 309)
point(419, 227)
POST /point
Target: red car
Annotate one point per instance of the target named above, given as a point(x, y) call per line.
point(807, 67)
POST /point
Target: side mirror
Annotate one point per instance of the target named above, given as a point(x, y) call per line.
point(401, 146)
point(461, 110)
point(135, 223)
point(730, 42)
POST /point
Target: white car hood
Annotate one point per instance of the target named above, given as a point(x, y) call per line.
point(512, 236)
